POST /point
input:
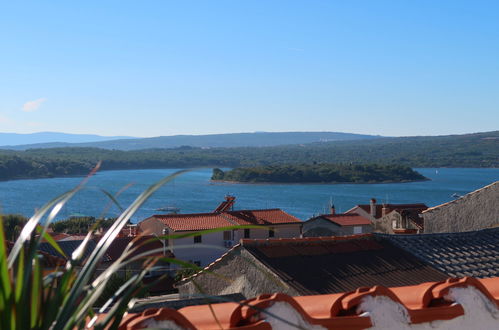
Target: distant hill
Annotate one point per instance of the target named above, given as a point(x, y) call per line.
point(54, 139)
point(260, 139)
point(468, 150)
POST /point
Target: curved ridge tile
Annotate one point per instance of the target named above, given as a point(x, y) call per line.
point(492, 285)
point(442, 290)
point(456, 303)
point(156, 317)
point(213, 316)
point(354, 299)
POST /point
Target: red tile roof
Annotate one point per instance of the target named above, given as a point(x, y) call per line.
point(203, 221)
point(423, 303)
point(192, 222)
point(350, 219)
point(261, 217)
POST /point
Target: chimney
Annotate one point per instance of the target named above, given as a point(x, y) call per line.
point(384, 210)
point(373, 208)
point(333, 211)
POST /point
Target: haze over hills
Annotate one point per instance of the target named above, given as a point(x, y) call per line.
point(12, 140)
point(259, 139)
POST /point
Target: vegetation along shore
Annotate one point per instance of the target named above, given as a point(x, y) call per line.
point(470, 150)
point(320, 173)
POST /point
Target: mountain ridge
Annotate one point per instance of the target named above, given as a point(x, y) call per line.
point(12, 140)
point(258, 139)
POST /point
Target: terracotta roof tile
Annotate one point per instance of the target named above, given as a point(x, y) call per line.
point(195, 221)
point(261, 217)
point(350, 219)
point(204, 221)
point(423, 304)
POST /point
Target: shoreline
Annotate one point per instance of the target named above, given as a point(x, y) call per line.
point(312, 183)
point(208, 167)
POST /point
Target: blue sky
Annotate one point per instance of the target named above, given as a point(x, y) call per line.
point(149, 68)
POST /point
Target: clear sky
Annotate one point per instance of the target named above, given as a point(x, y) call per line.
point(149, 68)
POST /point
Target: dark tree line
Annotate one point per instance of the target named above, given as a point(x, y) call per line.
point(320, 173)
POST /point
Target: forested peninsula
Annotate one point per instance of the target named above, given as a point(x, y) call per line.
point(320, 173)
point(470, 150)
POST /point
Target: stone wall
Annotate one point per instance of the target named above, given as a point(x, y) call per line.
point(476, 210)
point(236, 272)
point(385, 224)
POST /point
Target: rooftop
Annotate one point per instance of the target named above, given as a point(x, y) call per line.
point(115, 250)
point(346, 219)
point(204, 221)
point(334, 264)
point(261, 217)
point(473, 253)
point(464, 303)
point(194, 221)
point(478, 191)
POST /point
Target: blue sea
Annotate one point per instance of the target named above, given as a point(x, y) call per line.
point(194, 192)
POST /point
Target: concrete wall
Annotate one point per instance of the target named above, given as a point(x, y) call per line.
point(474, 211)
point(211, 248)
point(280, 231)
point(237, 272)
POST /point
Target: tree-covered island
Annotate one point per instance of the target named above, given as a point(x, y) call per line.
point(319, 173)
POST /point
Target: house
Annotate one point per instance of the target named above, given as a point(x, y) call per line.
point(48, 262)
point(477, 210)
point(304, 266)
point(115, 250)
point(320, 265)
point(453, 303)
point(203, 249)
point(393, 218)
point(334, 224)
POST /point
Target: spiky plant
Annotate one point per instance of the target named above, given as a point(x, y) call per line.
point(64, 298)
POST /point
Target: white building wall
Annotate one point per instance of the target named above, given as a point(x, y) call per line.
point(213, 245)
point(211, 248)
point(280, 231)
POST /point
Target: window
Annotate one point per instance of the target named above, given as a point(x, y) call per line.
point(271, 233)
point(197, 239)
point(246, 233)
point(357, 230)
point(227, 236)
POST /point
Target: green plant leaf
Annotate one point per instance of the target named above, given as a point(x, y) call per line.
point(51, 241)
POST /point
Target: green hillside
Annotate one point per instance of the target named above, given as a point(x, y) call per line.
point(470, 150)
